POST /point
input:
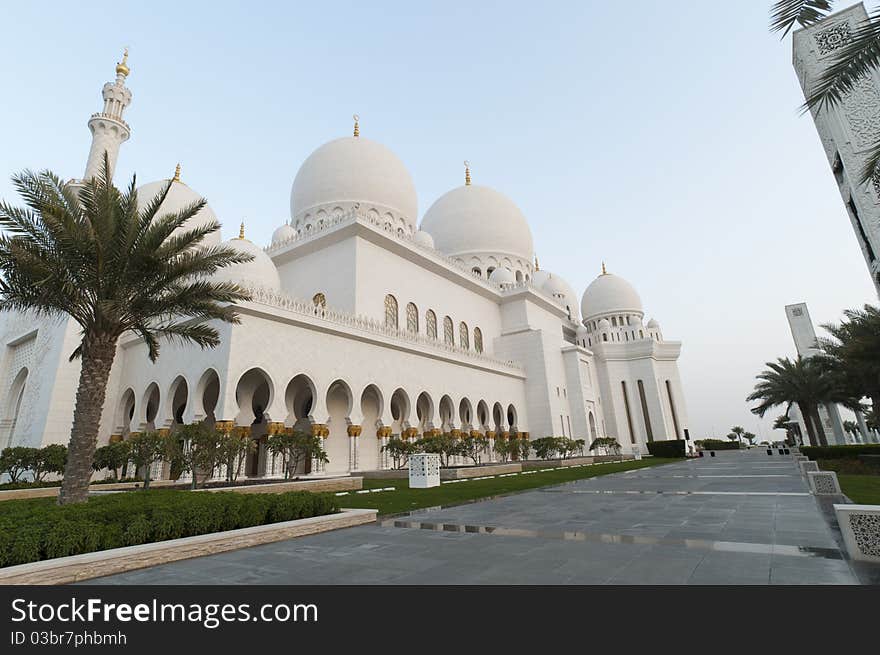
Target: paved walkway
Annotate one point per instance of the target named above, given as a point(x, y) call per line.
point(738, 518)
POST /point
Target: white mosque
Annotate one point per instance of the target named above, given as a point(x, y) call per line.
point(364, 324)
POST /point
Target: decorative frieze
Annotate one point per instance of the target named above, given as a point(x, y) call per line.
point(831, 38)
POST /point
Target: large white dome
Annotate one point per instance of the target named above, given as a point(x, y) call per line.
point(260, 271)
point(179, 196)
point(609, 294)
point(353, 170)
point(479, 220)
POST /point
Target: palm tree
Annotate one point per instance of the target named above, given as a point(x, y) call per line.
point(852, 61)
point(738, 431)
point(89, 253)
point(803, 382)
point(853, 351)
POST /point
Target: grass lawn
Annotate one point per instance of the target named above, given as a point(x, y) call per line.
point(862, 489)
point(406, 499)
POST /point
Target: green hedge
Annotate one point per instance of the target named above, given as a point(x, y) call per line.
point(38, 529)
point(671, 448)
point(840, 452)
point(718, 444)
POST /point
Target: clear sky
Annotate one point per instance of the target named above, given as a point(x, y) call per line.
point(664, 140)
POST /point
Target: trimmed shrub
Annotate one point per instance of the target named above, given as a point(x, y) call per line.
point(717, 444)
point(38, 529)
point(671, 448)
point(851, 451)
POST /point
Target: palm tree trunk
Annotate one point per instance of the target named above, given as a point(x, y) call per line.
point(97, 359)
point(806, 415)
point(820, 431)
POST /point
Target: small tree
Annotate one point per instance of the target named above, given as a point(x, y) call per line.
point(197, 449)
point(750, 437)
point(444, 445)
point(15, 462)
point(145, 449)
point(49, 459)
point(546, 447)
point(474, 447)
point(295, 448)
point(399, 450)
point(234, 449)
point(502, 449)
point(607, 444)
point(112, 457)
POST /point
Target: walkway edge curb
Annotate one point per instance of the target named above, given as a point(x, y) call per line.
point(76, 568)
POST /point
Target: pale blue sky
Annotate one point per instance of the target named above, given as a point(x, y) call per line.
point(663, 139)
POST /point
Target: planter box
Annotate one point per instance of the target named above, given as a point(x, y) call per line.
point(64, 570)
point(860, 527)
point(461, 472)
point(824, 483)
point(316, 486)
point(389, 474)
point(808, 466)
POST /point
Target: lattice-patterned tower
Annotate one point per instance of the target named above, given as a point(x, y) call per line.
point(109, 131)
point(850, 129)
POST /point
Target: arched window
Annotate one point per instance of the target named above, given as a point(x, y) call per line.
point(476, 271)
point(614, 321)
point(431, 320)
point(448, 331)
point(478, 340)
point(391, 312)
point(464, 336)
point(319, 300)
point(489, 271)
point(412, 318)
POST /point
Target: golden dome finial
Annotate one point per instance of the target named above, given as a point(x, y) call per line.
point(604, 272)
point(176, 174)
point(241, 231)
point(122, 66)
point(357, 131)
point(537, 268)
point(467, 173)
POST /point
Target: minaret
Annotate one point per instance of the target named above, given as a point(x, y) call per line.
point(109, 131)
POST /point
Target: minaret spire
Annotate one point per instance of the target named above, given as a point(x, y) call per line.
point(357, 131)
point(109, 130)
point(467, 173)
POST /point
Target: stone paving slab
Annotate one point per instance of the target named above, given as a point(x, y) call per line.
point(755, 525)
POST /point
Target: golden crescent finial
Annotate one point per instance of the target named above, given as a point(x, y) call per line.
point(357, 131)
point(467, 173)
point(241, 231)
point(176, 174)
point(122, 66)
point(537, 268)
point(604, 272)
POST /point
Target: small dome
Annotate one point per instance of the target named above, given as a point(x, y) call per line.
point(560, 289)
point(283, 233)
point(581, 332)
point(502, 277)
point(179, 196)
point(424, 239)
point(653, 324)
point(604, 324)
point(260, 271)
point(609, 294)
point(477, 219)
point(539, 277)
point(354, 170)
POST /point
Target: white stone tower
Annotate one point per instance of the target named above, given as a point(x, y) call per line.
point(848, 130)
point(804, 335)
point(108, 129)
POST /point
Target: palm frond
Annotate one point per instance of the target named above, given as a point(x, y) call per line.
point(785, 13)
